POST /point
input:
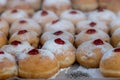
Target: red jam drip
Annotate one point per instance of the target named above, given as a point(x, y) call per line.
point(73, 12)
point(44, 13)
point(22, 32)
point(58, 33)
point(14, 11)
point(91, 31)
point(59, 41)
point(98, 42)
point(92, 24)
point(15, 43)
point(55, 21)
point(1, 52)
point(117, 50)
point(33, 52)
point(100, 9)
point(22, 22)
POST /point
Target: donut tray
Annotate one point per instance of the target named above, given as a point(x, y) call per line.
point(75, 72)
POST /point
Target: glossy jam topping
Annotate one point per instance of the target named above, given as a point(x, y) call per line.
point(14, 11)
point(100, 9)
point(1, 52)
point(22, 32)
point(33, 52)
point(73, 12)
point(22, 21)
point(92, 24)
point(98, 42)
point(44, 13)
point(15, 43)
point(58, 33)
point(117, 50)
point(53, 22)
point(59, 41)
point(91, 31)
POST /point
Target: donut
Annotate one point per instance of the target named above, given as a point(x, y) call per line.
point(90, 34)
point(109, 64)
point(57, 6)
point(74, 16)
point(89, 53)
point(36, 64)
point(25, 35)
point(63, 50)
point(8, 67)
point(56, 34)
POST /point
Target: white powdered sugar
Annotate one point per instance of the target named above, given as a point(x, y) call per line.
point(82, 25)
point(60, 25)
point(29, 25)
point(88, 47)
point(11, 49)
point(56, 48)
point(116, 32)
point(108, 54)
point(51, 16)
point(79, 16)
point(53, 2)
point(50, 35)
point(22, 55)
point(46, 53)
point(105, 15)
point(6, 55)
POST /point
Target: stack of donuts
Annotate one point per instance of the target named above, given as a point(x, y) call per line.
point(40, 37)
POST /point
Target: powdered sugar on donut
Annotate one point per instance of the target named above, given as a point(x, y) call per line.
point(60, 25)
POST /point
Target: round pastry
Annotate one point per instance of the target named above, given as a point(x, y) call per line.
point(57, 6)
point(43, 17)
point(8, 67)
point(73, 15)
point(88, 24)
point(89, 53)
point(63, 50)
point(13, 14)
point(2, 5)
point(25, 35)
point(3, 39)
point(115, 24)
point(60, 25)
point(16, 47)
point(84, 5)
point(109, 65)
point(4, 26)
point(28, 6)
point(27, 24)
point(90, 34)
point(103, 15)
point(37, 63)
point(56, 34)
point(115, 38)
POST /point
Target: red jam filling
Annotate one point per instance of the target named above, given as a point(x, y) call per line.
point(15, 43)
point(117, 50)
point(1, 52)
point(91, 31)
point(22, 22)
point(33, 52)
point(53, 22)
point(44, 13)
point(14, 11)
point(98, 42)
point(92, 24)
point(73, 12)
point(58, 33)
point(22, 32)
point(59, 41)
point(100, 9)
